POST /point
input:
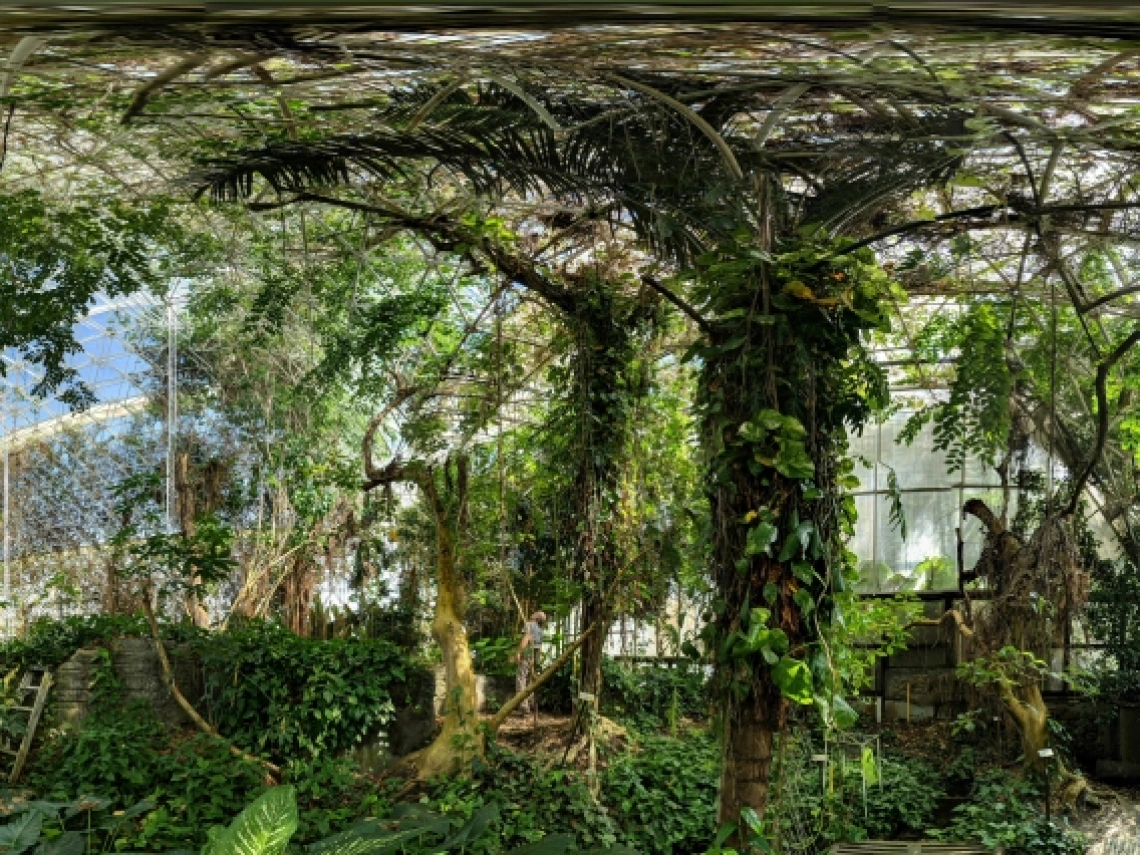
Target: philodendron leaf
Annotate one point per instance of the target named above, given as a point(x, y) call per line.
point(870, 768)
point(22, 833)
point(475, 826)
point(793, 678)
point(365, 841)
point(68, 843)
point(263, 828)
point(760, 538)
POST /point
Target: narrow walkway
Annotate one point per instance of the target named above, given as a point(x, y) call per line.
point(1119, 834)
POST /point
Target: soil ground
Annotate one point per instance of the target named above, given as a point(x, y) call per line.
point(548, 735)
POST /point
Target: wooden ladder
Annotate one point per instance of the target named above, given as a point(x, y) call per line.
point(33, 689)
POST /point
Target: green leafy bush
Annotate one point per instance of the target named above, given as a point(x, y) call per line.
point(905, 800)
point(1005, 811)
point(867, 797)
point(662, 795)
point(51, 642)
point(116, 753)
point(648, 697)
point(532, 802)
point(126, 755)
point(268, 690)
point(495, 656)
point(286, 697)
point(653, 697)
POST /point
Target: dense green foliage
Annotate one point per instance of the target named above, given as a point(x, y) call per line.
point(535, 345)
point(59, 260)
point(292, 698)
point(774, 434)
point(123, 753)
point(653, 697)
point(1005, 812)
point(656, 794)
point(662, 794)
point(645, 696)
point(52, 642)
point(272, 692)
point(1114, 618)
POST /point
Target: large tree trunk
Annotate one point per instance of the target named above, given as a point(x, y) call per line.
point(459, 740)
point(608, 380)
point(297, 592)
point(775, 402)
point(748, 740)
point(596, 611)
point(188, 515)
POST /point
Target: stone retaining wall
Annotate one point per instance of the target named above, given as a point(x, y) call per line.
point(139, 672)
point(418, 702)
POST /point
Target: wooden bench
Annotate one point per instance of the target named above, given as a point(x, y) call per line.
point(906, 847)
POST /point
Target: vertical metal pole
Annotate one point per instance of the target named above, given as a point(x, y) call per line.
point(7, 564)
point(171, 408)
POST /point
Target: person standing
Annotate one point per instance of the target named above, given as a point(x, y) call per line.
point(527, 656)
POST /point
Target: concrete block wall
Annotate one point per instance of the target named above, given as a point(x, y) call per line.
point(139, 672)
point(919, 682)
point(418, 703)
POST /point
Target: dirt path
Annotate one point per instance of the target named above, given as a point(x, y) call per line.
point(1115, 828)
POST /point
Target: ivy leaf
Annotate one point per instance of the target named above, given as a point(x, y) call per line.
point(804, 600)
point(845, 715)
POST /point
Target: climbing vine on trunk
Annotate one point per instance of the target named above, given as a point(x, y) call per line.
point(785, 377)
point(607, 378)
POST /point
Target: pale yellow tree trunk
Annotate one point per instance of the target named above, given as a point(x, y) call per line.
point(459, 740)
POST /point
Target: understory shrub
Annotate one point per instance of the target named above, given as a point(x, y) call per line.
point(885, 797)
point(266, 826)
point(124, 755)
point(662, 794)
point(272, 692)
point(532, 802)
point(646, 697)
point(651, 697)
point(51, 642)
point(1006, 811)
point(117, 753)
point(286, 698)
point(188, 784)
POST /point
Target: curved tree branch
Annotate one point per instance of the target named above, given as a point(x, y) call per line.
point(681, 304)
point(1102, 370)
point(143, 93)
point(514, 703)
point(447, 234)
point(373, 472)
